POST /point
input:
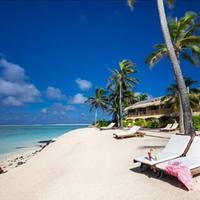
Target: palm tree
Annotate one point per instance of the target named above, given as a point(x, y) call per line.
point(188, 123)
point(98, 101)
point(120, 85)
point(172, 100)
point(114, 108)
point(187, 114)
point(186, 46)
point(141, 97)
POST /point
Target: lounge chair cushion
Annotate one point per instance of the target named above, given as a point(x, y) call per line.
point(132, 130)
point(174, 148)
point(191, 160)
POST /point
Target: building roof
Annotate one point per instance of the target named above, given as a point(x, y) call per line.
point(142, 104)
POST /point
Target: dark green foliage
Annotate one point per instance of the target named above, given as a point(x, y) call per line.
point(120, 88)
point(163, 121)
point(102, 123)
point(140, 122)
point(152, 123)
point(196, 120)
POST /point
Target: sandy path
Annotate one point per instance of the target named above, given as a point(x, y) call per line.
point(90, 165)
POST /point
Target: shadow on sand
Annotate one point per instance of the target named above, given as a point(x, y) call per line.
point(157, 136)
point(166, 178)
point(151, 147)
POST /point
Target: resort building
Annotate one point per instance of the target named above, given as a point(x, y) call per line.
point(153, 108)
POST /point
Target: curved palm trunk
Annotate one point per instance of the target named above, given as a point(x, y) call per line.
point(187, 114)
point(120, 105)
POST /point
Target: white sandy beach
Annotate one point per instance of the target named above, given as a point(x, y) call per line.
point(89, 164)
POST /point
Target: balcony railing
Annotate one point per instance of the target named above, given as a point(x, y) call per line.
point(149, 113)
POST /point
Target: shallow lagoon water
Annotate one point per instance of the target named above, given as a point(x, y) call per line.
point(25, 136)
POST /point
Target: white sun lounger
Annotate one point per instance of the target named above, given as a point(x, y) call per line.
point(127, 133)
point(174, 149)
point(166, 127)
point(110, 126)
point(173, 128)
point(191, 160)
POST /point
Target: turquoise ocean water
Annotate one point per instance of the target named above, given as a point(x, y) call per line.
point(21, 137)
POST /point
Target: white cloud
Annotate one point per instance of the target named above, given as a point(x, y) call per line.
point(12, 72)
point(11, 101)
point(58, 109)
point(83, 84)
point(55, 93)
point(78, 99)
point(15, 90)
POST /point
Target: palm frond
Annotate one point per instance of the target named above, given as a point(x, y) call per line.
point(156, 56)
point(193, 29)
point(184, 23)
point(192, 59)
point(191, 40)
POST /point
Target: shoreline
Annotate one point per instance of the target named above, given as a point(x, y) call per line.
point(20, 156)
point(45, 125)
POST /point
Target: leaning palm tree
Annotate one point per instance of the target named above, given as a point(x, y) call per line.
point(120, 83)
point(98, 101)
point(188, 123)
point(186, 46)
point(172, 99)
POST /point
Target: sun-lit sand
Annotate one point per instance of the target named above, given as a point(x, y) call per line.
point(89, 164)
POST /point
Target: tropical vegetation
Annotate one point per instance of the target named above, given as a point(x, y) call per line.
point(181, 42)
point(180, 37)
point(120, 87)
point(172, 99)
point(99, 101)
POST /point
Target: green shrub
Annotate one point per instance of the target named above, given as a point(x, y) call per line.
point(102, 123)
point(128, 123)
point(140, 122)
point(163, 121)
point(196, 120)
point(152, 123)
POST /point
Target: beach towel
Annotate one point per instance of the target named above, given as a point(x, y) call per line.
point(182, 173)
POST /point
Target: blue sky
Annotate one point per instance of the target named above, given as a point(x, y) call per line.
point(55, 53)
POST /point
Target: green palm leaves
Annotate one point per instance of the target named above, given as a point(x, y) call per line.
point(122, 76)
point(119, 92)
point(185, 40)
point(99, 101)
point(120, 87)
point(172, 99)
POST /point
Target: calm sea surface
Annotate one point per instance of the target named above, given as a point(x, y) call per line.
point(20, 137)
